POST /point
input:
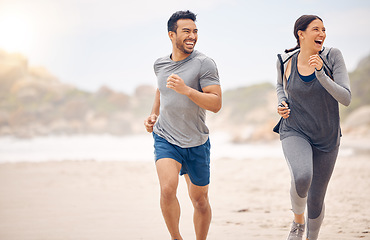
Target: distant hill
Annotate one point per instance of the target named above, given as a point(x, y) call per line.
point(360, 86)
point(248, 113)
point(356, 117)
point(34, 102)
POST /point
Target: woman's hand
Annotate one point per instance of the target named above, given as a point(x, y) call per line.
point(283, 110)
point(316, 61)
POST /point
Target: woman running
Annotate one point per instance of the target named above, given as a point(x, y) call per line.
point(311, 81)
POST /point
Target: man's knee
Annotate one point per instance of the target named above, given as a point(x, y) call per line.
point(200, 201)
point(168, 191)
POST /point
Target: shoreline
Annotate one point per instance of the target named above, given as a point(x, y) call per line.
point(140, 148)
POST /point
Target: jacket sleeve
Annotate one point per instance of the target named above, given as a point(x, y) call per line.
point(340, 87)
point(280, 85)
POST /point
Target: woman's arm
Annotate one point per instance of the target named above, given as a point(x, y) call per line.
point(279, 85)
point(340, 87)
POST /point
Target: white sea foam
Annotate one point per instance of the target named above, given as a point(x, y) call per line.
point(119, 148)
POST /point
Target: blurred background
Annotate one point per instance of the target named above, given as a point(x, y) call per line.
point(77, 79)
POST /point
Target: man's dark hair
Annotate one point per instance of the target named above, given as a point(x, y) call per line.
point(172, 22)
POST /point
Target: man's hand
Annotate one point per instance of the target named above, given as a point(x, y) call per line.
point(176, 83)
point(149, 122)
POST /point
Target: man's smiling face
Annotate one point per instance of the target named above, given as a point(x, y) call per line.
point(186, 35)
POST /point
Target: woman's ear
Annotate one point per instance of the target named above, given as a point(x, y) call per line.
point(300, 35)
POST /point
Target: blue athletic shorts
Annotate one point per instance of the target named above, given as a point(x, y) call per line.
point(195, 161)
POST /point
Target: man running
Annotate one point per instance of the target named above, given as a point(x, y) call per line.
point(188, 85)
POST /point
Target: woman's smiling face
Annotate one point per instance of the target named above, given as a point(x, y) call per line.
point(314, 36)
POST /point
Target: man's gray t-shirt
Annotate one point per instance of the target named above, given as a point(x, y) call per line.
point(182, 122)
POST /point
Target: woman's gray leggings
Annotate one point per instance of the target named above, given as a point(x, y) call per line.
point(310, 170)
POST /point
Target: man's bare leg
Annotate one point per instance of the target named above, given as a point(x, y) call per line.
point(202, 208)
point(168, 175)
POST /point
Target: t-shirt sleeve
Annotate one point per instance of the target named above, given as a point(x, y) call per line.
point(155, 67)
point(208, 73)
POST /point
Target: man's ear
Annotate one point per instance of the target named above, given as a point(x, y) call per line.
point(172, 35)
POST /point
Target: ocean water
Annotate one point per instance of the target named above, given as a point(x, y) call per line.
point(117, 148)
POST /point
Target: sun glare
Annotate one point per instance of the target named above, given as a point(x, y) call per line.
point(15, 33)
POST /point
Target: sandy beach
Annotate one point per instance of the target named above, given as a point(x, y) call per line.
point(91, 200)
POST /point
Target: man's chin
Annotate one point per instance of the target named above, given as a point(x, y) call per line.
point(188, 51)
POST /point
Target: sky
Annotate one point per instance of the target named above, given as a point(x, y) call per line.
point(114, 43)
